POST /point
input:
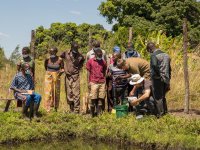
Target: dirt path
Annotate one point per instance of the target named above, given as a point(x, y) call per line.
point(193, 114)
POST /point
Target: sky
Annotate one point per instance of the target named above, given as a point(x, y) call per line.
point(19, 17)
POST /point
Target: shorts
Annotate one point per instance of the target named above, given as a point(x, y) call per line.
point(98, 90)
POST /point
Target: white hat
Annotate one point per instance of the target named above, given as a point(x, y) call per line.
point(135, 79)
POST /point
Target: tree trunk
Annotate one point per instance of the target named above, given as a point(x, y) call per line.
point(130, 37)
point(185, 65)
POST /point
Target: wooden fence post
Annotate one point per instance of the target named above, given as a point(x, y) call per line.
point(185, 65)
point(130, 37)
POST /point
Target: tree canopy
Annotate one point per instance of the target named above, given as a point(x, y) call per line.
point(62, 34)
point(148, 15)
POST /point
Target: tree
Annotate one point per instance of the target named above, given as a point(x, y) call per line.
point(148, 15)
point(15, 55)
point(61, 35)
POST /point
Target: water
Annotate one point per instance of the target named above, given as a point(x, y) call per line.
point(75, 144)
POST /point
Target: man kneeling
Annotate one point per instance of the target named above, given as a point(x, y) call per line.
point(144, 103)
point(23, 87)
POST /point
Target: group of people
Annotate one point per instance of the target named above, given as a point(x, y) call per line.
point(120, 77)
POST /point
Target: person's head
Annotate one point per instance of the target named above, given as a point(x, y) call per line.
point(130, 46)
point(96, 44)
point(136, 80)
point(98, 53)
point(26, 52)
point(116, 56)
point(52, 52)
point(74, 47)
point(25, 68)
point(151, 47)
point(121, 64)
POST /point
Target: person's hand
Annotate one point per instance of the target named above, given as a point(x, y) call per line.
point(109, 75)
point(60, 72)
point(23, 91)
point(134, 102)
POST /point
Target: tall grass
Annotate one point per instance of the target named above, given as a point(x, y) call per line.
point(173, 46)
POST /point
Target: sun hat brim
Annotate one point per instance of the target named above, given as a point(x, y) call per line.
point(139, 81)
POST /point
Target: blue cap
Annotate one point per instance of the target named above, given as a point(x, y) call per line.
point(116, 49)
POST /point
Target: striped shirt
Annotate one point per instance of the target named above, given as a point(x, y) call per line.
point(22, 82)
point(116, 72)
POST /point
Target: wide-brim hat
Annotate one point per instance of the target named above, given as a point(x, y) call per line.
point(136, 79)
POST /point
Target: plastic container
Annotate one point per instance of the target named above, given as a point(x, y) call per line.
point(121, 111)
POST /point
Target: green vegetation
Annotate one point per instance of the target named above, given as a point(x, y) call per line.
point(62, 34)
point(164, 132)
point(154, 15)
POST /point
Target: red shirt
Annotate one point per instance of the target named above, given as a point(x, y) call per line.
point(97, 70)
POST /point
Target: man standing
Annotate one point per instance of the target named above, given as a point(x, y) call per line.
point(97, 70)
point(130, 52)
point(73, 64)
point(160, 75)
point(91, 53)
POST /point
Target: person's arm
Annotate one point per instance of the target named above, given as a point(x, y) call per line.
point(88, 67)
point(144, 97)
point(62, 55)
point(45, 64)
point(82, 61)
point(154, 65)
point(61, 71)
point(132, 92)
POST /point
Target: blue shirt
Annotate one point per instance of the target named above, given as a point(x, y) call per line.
point(22, 82)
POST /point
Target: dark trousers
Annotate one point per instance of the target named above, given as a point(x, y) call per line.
point(146, 107)
point(159, 92)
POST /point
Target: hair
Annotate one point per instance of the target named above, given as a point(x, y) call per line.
point(121, 63)
point(130, 44)
point(151, 45)
point(74, 44)
point(96, 44)
point(26, 49)
point(118, 55)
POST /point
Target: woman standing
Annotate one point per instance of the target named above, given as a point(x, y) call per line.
point(54, 67)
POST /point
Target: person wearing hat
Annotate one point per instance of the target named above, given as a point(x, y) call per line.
point(23, 87)
point(144, 103)
point(112, 62)
point(54, 67)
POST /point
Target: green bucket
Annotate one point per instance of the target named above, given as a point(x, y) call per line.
point(121, 111)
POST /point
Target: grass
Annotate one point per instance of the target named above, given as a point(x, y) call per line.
point(166, 132)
